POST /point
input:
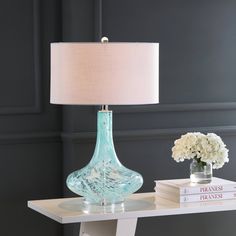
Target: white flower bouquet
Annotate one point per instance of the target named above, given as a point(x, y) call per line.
point(203, 148)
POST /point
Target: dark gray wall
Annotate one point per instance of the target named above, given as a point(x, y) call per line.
point(197, 93)
point(30, 146)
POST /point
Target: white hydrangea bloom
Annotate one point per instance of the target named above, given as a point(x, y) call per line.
point(208, 148)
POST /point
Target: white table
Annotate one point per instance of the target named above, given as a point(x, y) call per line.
point(122, 219)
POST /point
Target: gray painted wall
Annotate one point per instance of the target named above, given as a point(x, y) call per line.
point(30, 146)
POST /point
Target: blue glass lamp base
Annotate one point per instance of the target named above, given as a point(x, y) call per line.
point(104, 180)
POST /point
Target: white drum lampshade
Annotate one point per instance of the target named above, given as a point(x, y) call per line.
point(104, 73)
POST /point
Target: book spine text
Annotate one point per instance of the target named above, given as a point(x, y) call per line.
point(207, 197)
point(208, 189)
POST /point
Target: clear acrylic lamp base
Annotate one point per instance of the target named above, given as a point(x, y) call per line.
point(104, 180)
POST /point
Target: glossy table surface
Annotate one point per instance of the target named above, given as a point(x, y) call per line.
point(73, 210)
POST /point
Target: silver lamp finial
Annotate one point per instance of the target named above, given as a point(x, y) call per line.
point(104, 40)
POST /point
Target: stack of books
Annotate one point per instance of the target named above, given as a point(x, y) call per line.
point(182, 190)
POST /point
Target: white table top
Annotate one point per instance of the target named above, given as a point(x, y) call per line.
point(73, 210)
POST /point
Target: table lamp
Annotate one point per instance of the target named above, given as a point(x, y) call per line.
point(104, 73)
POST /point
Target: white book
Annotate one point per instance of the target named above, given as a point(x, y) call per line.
point(185, 187)
point(197, 197)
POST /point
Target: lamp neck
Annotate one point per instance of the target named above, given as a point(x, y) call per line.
point(104, 108)
point(104, 125)
point(104, 149)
